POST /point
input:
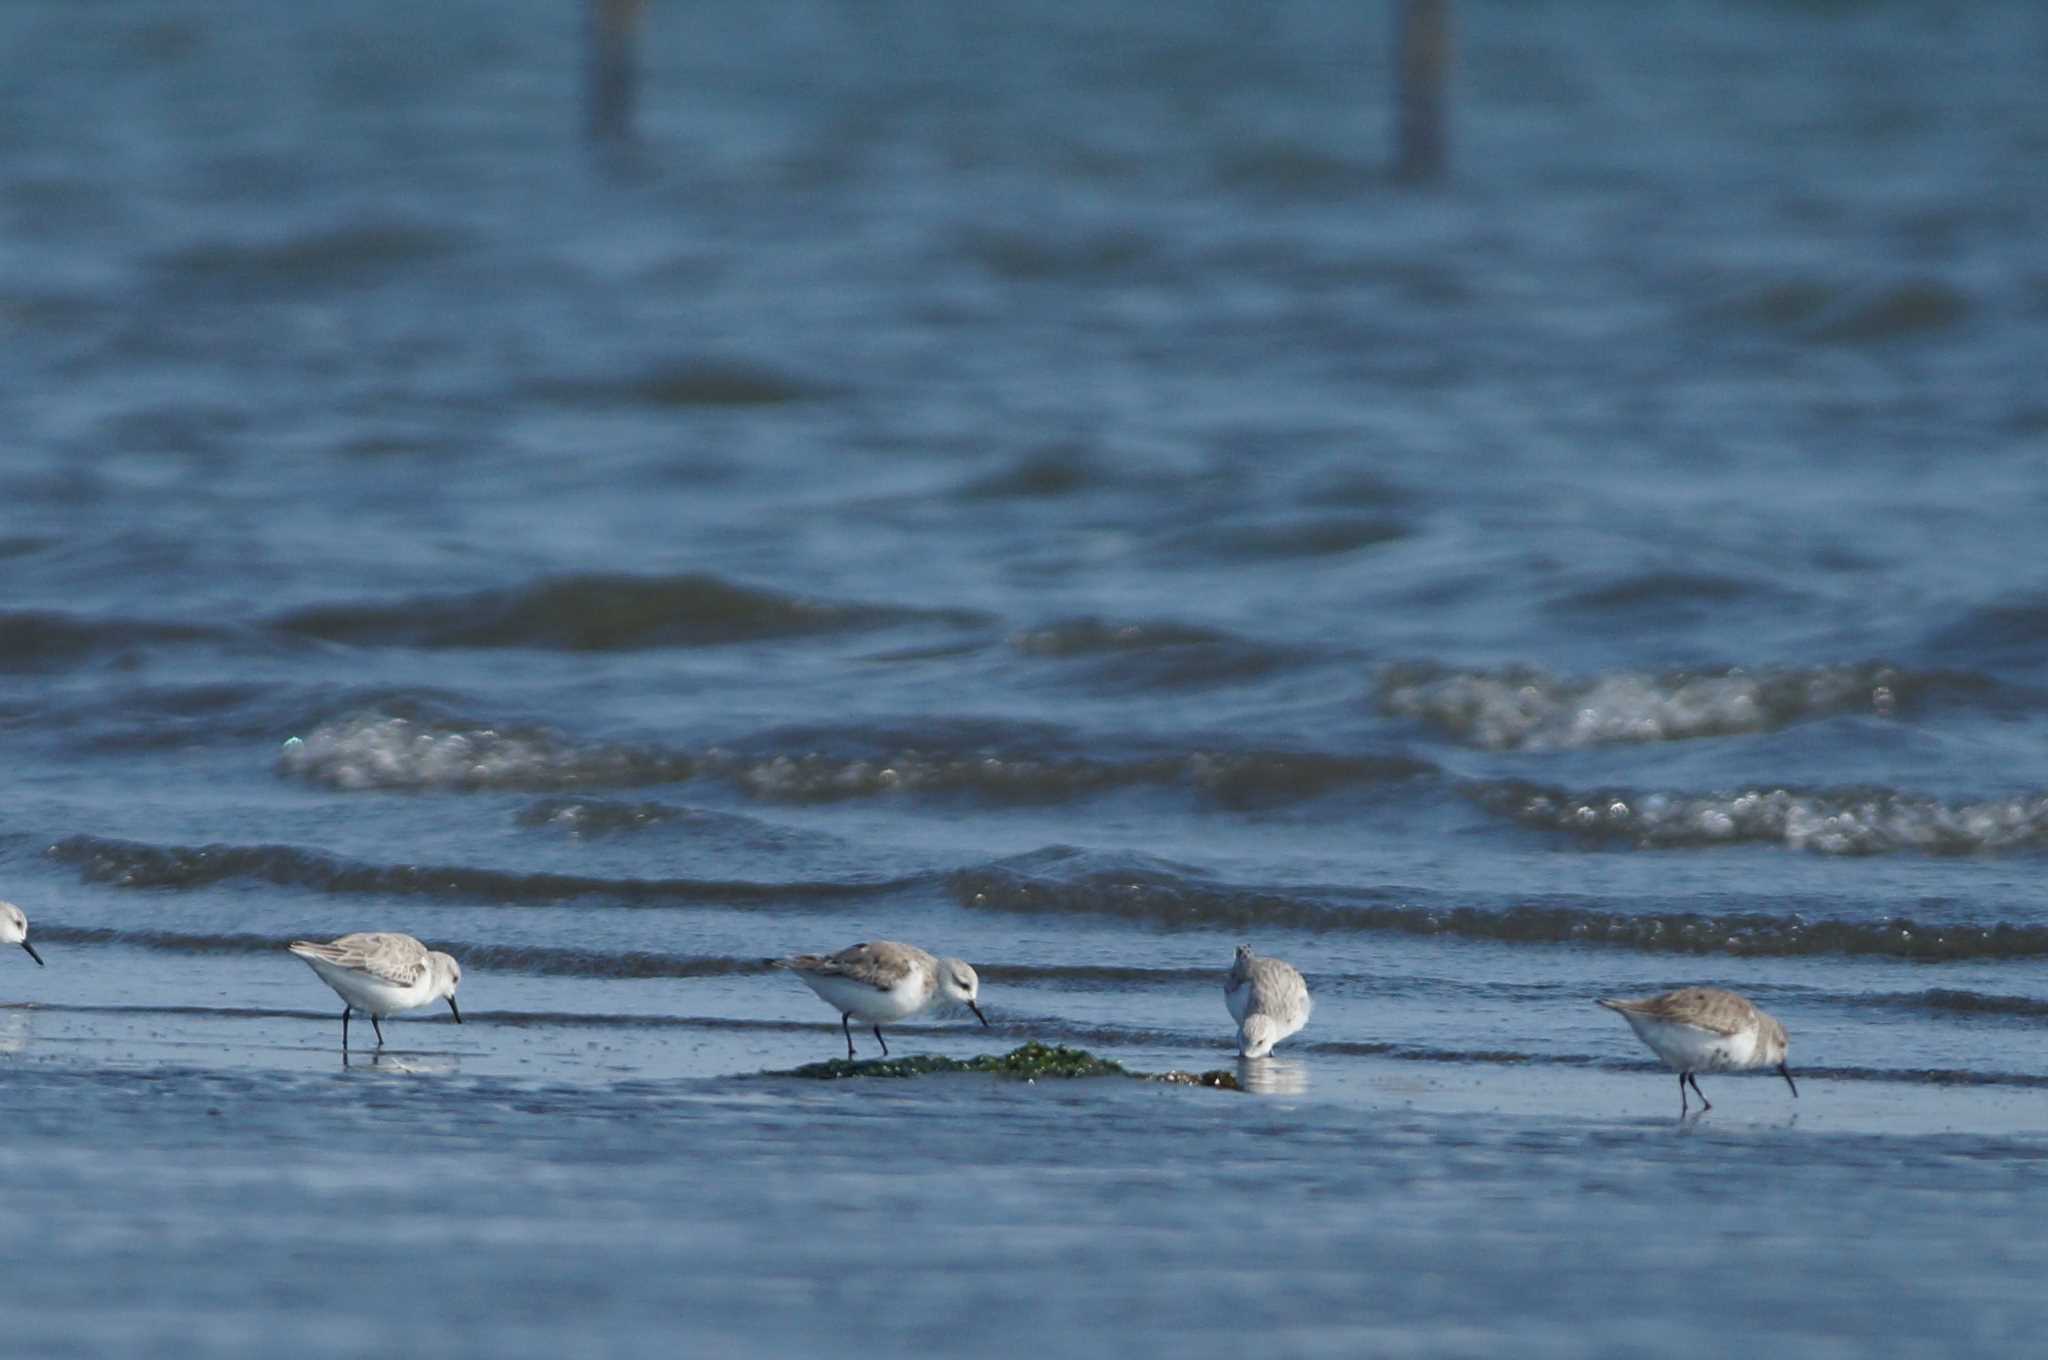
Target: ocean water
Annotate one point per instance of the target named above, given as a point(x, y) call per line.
point(1023, 479)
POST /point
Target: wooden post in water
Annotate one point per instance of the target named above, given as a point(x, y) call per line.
point(611, 67)
point(1422, 45)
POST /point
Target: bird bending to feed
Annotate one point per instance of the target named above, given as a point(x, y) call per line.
point(14, 929)
point(883, 982)
point(1268, 1000)
point(382, 973)
point(1704, 1029)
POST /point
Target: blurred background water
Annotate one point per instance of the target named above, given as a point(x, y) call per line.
point(1025, 480)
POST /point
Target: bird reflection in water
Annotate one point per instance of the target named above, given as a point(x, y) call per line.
point(1272, 1076)
point(421, 1064)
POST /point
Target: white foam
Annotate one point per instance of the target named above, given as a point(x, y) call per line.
point(1830, 822)
point(1531, 710)
point(379, 751)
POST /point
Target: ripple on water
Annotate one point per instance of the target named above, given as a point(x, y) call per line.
point(603, 611)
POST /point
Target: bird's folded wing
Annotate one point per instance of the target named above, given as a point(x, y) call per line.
point(879, 968)
point(396, 959)
point(1675, 1008)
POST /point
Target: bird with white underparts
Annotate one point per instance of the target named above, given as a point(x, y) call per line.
point(14, 929)
point(1706, 1029)
point(1268, 999)
point(382, 973)
point(881, 982)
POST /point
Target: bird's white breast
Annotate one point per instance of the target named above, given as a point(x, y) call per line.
point(1688, 1048)
point(368, 992)
point(867, 1001)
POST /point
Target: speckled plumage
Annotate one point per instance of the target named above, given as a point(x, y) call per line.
point(382, 973)
point(1706, 1029)
point(1268, 999)
point(882, 981)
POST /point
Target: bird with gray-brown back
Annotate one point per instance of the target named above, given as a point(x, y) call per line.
point(1268, 999)
point(1706, 1029)
point(881, 982)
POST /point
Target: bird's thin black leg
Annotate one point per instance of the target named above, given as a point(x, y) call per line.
point(1705, 1104)
point(846, 1024)
point(380, 1031)
point(344, 1029)
point(880, 1040)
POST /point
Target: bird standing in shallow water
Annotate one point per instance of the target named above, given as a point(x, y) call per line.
point(14, 929)
point(1267, 998)
point(382, 973)
point(883, 982)
point(1705, 1029)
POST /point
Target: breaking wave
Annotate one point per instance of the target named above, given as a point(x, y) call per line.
point(134, 864)
point(378, 750)
point(382, 750)
point(1532, 710)
point(1060, 880)
point(1828, 822)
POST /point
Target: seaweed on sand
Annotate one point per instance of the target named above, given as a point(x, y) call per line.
point(1028, 1063)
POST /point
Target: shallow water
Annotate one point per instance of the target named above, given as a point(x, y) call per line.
point(1025, 482)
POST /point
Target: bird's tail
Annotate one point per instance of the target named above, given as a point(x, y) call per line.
point(313, 949)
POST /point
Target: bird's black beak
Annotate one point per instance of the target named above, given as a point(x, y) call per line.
point(977, 1014)
point(1786, 1073)
point(451, 1006)
point(32, 953)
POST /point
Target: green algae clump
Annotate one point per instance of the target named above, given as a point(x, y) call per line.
point(1028, 1062)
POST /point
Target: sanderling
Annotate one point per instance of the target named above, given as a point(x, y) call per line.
point(883, 982)
point(1268, 1000)
point(381, 973)
point(1704, 1029)
point(14, 929)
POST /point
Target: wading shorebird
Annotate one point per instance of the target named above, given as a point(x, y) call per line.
point(14, 929)
point(382, 973)
point(883, 982)
point(1268, 1000)
point(1704, 1029)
